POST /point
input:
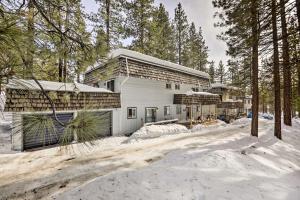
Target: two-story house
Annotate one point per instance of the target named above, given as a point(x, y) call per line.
point(152, 90)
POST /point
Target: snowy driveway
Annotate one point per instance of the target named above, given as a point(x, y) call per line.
point(185, 166)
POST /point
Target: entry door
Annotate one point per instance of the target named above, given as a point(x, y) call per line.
point(150, 115)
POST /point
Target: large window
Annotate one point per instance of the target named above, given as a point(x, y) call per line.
point(110, 85)
point(168, 86)
point(167, 110)
point(131, 113)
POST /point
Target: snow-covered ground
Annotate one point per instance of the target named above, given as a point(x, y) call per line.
point(223, 162)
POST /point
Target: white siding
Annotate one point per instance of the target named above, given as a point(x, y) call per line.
point(142, 93)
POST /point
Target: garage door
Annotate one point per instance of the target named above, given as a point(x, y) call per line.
point(41, 138)
point(105, 124)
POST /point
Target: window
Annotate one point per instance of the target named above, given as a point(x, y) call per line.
point(177, 86)
point(178, 109)
point(167, 110)
point(131, 113)
point(195, 89)
point(96, 85)
point(168, 86)
point(110, 85)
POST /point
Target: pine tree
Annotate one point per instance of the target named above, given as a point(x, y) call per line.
point(298, 14)
point(276, 72)
point(220, 74)
point(110, 22)
point(211, 71)
point(162, 41)
point(286, 67)
point(195, 53)
point(139, 14)
point(242, 38)
point(181, 31)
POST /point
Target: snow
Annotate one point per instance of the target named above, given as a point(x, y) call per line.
point(53, 86)
point(156, 61)
point(154, 131)
point(222, 85)
point(222, 163)
point(204, 127)
point(189, 93)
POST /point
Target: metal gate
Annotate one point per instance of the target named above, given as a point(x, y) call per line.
point(38, 138)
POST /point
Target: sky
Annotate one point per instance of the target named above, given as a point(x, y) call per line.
point(198, 11)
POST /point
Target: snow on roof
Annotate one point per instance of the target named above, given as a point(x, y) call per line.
point(189, 93)
point(52, 86)
point(222, 85)
point(156, 61)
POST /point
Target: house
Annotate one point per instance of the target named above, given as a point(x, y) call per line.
point(24, 98)
point(231, 99)
point(153, 90)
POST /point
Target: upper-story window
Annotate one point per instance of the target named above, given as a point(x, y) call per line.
point(195, 89)
point(110, 85)
point(177, 86)
point(168, 86)
point(96, 85)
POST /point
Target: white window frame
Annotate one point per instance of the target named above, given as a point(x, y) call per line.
point(133, 114)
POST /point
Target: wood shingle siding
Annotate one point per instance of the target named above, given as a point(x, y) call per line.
point(184, 99)
point(142, 70)
point(20, 100)
point(230, 105)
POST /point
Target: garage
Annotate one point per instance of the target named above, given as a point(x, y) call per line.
point(40, 138)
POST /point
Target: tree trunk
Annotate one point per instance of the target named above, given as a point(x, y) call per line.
point(60, 53)
point(30, 42)
point(107, 23)
point(276, 73)
point(298, 14)
point(286, 67)
point(65, 49)
point(255, 92)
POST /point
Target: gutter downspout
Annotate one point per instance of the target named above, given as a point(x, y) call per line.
point(121, 93)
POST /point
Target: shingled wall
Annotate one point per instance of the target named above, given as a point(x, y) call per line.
point(184, 99)
point(230, 105)
point(20, 100)
point(142, 70)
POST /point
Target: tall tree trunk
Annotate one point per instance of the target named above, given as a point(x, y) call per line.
point(276, 73)
point(286, 68)
point(65, 49)
point(60, 51)
point(107, 23)
point(30, 42)
point(298, 14)
point(255, 92)
point(179, 46)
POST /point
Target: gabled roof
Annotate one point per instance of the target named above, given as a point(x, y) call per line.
point(52, 86)
point(154, 61)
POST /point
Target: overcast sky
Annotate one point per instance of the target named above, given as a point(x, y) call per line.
point(198, 11)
